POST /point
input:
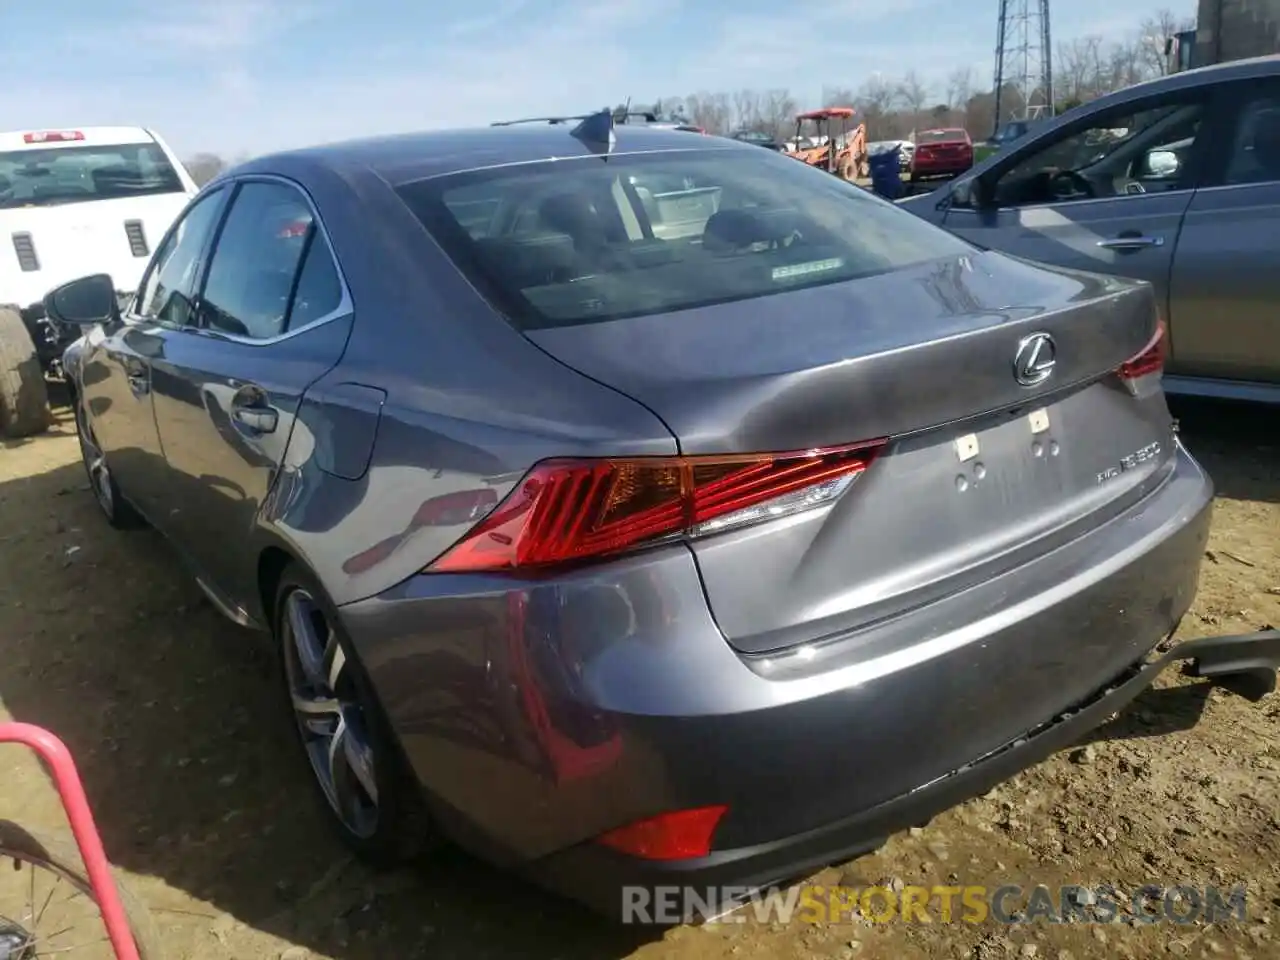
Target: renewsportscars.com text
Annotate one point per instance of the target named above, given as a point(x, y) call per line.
point(1008, 904)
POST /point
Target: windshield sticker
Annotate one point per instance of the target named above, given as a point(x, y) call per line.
point(795, 270)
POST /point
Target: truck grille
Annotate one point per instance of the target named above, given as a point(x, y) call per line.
point(137, 238)
point(25, 248)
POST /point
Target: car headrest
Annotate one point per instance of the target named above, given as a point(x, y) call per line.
point(110, 175)
point(738, 228)
point(570, 213)
point(1266, 139)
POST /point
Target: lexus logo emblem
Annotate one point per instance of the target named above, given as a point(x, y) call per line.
point(1033, 363)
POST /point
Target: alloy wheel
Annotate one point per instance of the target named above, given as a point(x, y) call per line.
point(329, 714)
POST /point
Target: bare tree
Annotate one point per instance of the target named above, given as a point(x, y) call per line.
point(746, 110)
point(203, 167)
point(1079, 73)
point(838, 97)
point(1154, 33)
point(959, 91)
point(778, 111)
point(1125, 64)
point(876, 100)
point(711, 111)
point(915, 94)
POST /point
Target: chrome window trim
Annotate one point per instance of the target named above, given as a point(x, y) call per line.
point(1223, 187)
point(345, 307)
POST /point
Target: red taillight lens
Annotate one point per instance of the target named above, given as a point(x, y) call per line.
point(1149, 360)
point(52, 136)
point(679, 835)
point(565, 510)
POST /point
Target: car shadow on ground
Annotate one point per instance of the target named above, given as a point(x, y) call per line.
point(178, 728)
point(1236, 442)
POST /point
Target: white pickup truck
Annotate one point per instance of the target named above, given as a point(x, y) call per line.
point(72, 203)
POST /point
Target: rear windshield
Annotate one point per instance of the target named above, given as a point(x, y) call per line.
point(588, 240)
point(941, 136)
point(56, 175)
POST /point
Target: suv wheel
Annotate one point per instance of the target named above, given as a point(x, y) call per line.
point(24, 398)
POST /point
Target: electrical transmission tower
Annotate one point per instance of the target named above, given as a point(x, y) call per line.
point(1024, 61)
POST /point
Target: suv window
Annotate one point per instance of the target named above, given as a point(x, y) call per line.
point(1255, 149)
point(51, 176)
point(268, 235)
point(1134, 152)
point(577, 241)
point(166, 292)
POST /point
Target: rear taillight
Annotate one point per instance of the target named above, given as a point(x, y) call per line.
point(52, 136)
point(569, 510)
point(679, 835)
point(1147, 361)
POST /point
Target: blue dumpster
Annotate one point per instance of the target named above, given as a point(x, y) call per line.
point(886, 172)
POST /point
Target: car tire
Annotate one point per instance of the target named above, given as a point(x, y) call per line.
point(396, 827)
point(102, 483)
point(24, 398)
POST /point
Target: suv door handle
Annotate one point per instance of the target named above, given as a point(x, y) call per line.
point(1136, 242)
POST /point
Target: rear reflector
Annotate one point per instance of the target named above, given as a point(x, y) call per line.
point(25, 248)
point(680, 835)
point(137, 238)
point(1148, 360)
point(52, 136)
point(569, 510)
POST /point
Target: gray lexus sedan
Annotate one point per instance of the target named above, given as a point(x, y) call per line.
point(638, 509)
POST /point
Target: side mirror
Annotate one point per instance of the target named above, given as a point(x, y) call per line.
point(1160, 163)
point(83, 303)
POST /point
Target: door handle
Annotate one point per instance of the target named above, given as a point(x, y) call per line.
point(1136, 242)
point(257, 419)
point(139, 383)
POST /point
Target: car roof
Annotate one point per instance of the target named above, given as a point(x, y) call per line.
point(409, 157)
point(86, 137)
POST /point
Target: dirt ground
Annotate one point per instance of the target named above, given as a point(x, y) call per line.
point(202, 803)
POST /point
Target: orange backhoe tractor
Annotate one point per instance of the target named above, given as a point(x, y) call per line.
point(838, 144)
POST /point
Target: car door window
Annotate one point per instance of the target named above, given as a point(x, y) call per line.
point(319, 289)
point(1255, 146)
point(265, 239)
point(1123, 152)
point(166, 293)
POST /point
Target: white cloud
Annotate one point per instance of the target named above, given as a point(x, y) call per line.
point(159, 30)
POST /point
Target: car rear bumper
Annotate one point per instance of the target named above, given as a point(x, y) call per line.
point(540, 714)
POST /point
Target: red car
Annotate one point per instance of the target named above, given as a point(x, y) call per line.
point(941, 153)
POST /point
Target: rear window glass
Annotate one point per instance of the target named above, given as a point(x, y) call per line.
point(588, 240)
point(941, 136)
point(56, 175)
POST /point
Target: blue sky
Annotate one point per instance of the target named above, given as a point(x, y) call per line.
point(246, 76)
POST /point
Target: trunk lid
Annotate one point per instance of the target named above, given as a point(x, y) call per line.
point(980, 471)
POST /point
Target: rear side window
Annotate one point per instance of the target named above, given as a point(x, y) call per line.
point(582, 241)
point(270, 271)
